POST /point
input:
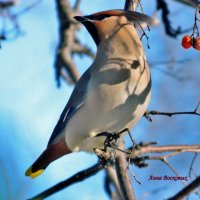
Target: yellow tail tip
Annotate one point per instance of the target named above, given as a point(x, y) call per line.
point(33, 174)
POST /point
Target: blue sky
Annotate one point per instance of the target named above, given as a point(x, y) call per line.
point(30, 104)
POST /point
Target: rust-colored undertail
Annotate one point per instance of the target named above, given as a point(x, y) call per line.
point(52, 152)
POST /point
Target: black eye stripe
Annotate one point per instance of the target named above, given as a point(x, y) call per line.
point(97, 17)
point(92, 30)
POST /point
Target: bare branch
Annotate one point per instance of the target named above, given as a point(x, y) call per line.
point(164, 160)
point(69, 43)
point(171, 61)
point(77, 5)
point(191, 165)
point(120, 166)
point(67, 29)
point(82, 50)
point(114, 148)
point(162, 5)
point(172, 113)
point(193, 3)
point(111, 179)
point(146, 149)
point(169, 114)
point(7, 4)
point(80, 176)
point(139, 150)
point(27, 8)
point(131, 5)
point(195, 31)
point(187, 190)
point(14, 31)
point(171, 64)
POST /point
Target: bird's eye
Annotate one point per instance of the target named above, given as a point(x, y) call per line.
point(98, 17)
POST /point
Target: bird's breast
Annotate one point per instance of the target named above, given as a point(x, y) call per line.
point(119, 94)
point(117, 98)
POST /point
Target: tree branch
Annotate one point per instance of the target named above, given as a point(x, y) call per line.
point(80, 176)
point(131, 5)
point(69, 43)
point(187, 190)
point(122, 173)
point(67, 28)
point(139, 150)
point(162, 5)
point(111, 179)
point(7, 4)
point(143, 149)
point(193, 3)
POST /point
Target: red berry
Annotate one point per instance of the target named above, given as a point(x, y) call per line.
point(186, 42)
point(197, 43)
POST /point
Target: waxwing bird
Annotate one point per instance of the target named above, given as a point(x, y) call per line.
point(111, 95)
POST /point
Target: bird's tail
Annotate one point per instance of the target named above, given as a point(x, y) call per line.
point(52, 152)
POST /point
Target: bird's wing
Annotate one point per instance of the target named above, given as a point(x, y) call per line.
point(76, 101)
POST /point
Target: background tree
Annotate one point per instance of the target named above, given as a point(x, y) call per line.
point(28, 111)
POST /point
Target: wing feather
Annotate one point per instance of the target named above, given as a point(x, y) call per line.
point(75, 102)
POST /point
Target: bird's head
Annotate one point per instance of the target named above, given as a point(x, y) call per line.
point(102, 24)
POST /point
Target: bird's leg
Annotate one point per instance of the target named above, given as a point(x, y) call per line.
point(107, 134)
point(147, 116)
point(107, 155)
point(129, 133)
point(112, 139)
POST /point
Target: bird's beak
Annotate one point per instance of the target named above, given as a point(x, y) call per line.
point(80, 18)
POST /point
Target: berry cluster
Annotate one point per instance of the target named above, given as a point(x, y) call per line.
point(194, 39)
point(190, 41)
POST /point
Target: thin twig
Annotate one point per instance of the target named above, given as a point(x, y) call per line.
point(134, 176)
point(191, 165)
point(169, 114)
point(195, 32)
point(15, 30)
point(164, 160)
point(27, 8)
